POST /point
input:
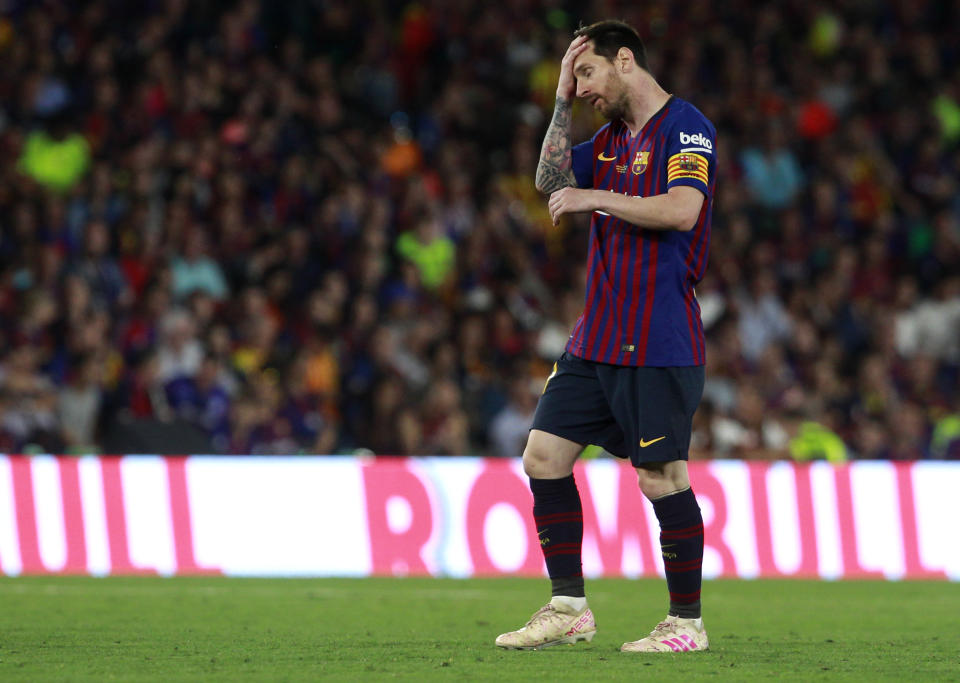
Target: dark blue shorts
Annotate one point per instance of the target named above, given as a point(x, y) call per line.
point(640, 413)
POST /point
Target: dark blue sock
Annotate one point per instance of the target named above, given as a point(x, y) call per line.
point(681, 543)
point(559, 519)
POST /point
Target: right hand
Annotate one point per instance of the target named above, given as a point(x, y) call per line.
point(567, 86)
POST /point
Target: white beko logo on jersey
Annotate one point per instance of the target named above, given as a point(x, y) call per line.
point(696, 139)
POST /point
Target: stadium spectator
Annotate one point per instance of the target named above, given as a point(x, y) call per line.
point(57, 158)
point(445, 425)
point(771, 170)
point(202, 400)
point(79, 404)
point(141, 394)
point(763, 318)
point(509, 427)
point(179, 350)
point(29, 420)
point(195, 271)
point(429, 250)
point(97, 265)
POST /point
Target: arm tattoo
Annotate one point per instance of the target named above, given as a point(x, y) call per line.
point(555, 170)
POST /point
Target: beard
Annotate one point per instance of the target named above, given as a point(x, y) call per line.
point(615, 107)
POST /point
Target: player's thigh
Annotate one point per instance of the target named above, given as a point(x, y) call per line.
point(548, 456)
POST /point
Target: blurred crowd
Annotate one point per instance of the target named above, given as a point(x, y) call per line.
point(310, 226)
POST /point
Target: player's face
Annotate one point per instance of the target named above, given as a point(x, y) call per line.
point(599, 83)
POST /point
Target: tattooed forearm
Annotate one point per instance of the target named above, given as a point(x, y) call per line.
point(555, 168)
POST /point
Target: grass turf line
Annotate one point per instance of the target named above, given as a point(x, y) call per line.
point(76, 628)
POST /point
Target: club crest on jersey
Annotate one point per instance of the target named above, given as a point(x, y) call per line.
point(640, 162)
point(688, 162)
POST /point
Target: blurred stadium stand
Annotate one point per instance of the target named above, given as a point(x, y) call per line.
point(311, 226)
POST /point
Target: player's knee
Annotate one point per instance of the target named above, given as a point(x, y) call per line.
point(535, 462)
point(540, 463)
point(661, 479)
point(651, 485)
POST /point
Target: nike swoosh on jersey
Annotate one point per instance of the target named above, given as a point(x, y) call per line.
point(644, 444)
point(603, 158)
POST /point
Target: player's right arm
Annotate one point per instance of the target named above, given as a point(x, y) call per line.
point(555, 169)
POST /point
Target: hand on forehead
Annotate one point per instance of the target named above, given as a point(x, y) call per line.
point(586, 52)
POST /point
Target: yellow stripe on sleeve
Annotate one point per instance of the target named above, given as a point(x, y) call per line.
point(688, 165)
point(679, 175)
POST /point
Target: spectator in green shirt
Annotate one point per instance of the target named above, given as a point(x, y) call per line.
point(55, 159)
point(432, 252)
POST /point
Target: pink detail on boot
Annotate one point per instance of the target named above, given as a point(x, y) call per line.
point(675, 644)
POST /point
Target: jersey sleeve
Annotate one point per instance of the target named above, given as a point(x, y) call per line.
point(582, 158)
point(691, 149)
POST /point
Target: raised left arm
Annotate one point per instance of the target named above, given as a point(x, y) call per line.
point(678, 209)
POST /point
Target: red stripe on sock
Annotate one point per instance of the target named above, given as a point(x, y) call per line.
point(559, 517)
point(689, 532)
point(684, 598)
point(561, 551)
point(679, 537)
point(683, 566)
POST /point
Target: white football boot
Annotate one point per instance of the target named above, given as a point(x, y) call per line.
point(553, 624)
point(672, 635)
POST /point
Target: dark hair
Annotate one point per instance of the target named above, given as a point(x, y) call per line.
point(610, 35)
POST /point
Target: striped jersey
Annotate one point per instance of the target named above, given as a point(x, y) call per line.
point(640, 308)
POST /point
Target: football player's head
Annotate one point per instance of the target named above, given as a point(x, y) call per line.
point(617, 51)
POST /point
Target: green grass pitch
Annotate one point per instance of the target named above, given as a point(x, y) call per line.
point(60, 628)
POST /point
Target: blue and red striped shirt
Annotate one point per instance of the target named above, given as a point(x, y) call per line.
point(640, 307)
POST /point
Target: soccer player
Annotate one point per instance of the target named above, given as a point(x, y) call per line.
point(632, 374)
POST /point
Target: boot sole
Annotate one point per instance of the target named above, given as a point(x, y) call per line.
point(567, 640)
